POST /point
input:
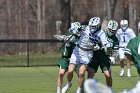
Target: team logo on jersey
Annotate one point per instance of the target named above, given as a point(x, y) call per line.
point(94, 38)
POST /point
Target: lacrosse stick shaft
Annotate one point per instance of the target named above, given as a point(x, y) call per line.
point(65, 43)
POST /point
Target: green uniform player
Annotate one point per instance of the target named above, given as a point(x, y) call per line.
point(67, 51)
point(101, 57)
point(66, 54)
point(132, 52)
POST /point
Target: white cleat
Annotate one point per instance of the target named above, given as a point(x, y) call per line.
point(79, 91)
point(58, 91)
point(128, 74)
point(122, 74)
point(66, 87)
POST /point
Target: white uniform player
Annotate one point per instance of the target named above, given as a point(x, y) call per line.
point(83, 52)
point(124, 34)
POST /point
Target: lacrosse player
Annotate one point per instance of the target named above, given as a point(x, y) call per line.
point(124, 34)
point(100, 58)
point(132, 51)
point(83, 52)
point(66, 54)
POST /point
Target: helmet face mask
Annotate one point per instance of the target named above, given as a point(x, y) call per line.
point(124, 24)
point(84, 25)
point(111, 32)
point(93, 28)
point(94, 24)
point(112, 27)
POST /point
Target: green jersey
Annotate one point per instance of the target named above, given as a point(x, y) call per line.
point(133, 49)
point(67, 51)
point(112, 42)
point(68, 48)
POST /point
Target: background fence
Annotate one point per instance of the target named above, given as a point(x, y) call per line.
point(33, 52)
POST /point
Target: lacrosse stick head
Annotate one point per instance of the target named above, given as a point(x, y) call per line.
point(60, 37)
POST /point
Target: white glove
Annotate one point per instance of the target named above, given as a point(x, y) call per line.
point(112, 60)
point(71, 39)
point(96, 47)
point(60, 37)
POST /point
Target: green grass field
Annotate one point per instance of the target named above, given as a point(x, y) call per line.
point(43, 80)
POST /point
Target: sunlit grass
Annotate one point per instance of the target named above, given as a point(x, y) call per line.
point(43, 80)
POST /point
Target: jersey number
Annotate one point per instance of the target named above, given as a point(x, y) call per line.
point(124, 40)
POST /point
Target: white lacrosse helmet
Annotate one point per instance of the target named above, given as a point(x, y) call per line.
point(75, 24)
point(112, 27)
point(94, 23)
point(124, 24)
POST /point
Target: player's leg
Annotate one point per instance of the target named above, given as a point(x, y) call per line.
point(60, 79)
point(81, 77)
point(62, 70)
point(90, 72)
point(106, 69)
point(92, 68)
point(108, 76)
point(69, 78)
point(122, 67)
point(85, 57)
point(128, 68)
point(71, 69)
point(121, 56)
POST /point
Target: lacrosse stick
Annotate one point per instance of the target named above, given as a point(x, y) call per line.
point(65, 43)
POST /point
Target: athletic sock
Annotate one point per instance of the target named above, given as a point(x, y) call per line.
point(122, 69)
point(128, 70)
point(58, 89)
point(69, 82)
point(79, 89)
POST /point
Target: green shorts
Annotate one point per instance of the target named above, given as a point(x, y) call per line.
point(100, 59)
point(64, 64)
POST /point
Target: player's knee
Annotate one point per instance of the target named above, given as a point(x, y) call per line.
point(61, 74)
point(71, 70)
point(107, 75)
point(81, 74)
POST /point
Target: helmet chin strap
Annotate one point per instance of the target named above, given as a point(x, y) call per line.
point(124, 29)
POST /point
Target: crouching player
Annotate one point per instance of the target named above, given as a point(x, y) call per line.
point(100, 58)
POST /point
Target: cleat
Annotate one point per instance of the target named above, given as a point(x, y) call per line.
point(58, 91)
point(66, 87)
point(80, 90)
point(122, 74)
point(128, 74)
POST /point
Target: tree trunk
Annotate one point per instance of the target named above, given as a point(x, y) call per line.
point(108, 10)
point(39, 19)
point(26, 18)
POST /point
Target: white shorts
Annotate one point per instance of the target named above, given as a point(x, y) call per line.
point(80, 56)
point(121, 53)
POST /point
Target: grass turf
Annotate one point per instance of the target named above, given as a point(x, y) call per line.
point(43, 79)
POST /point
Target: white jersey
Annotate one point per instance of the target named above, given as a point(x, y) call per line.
point(87, 40)
point(124, 36)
